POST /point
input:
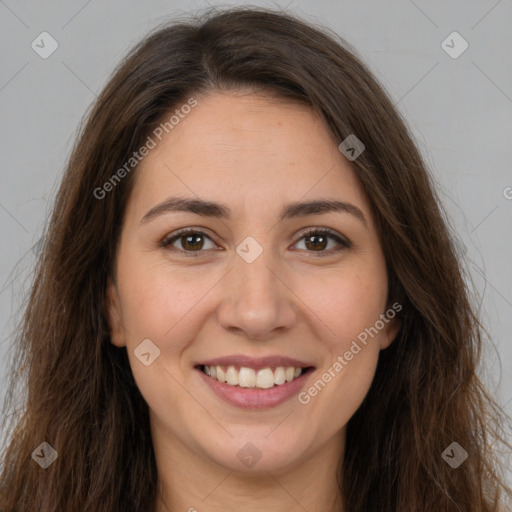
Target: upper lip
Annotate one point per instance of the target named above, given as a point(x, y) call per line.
point(255, 362)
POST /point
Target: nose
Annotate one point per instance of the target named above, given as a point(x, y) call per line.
point(257, 301)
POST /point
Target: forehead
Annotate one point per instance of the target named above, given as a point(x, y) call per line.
point(250, 150)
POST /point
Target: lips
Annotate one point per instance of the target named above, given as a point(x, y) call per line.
point(255, 363)
point(254, 382)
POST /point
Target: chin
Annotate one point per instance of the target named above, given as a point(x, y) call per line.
point(257, 456)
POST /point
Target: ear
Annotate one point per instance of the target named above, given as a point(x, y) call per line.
point(392, 327)
point(113, 313)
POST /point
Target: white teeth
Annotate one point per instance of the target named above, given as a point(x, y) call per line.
point(221, 376)
point(247, 378)
point(232, 376)
point(265, 378)
point(279, 376)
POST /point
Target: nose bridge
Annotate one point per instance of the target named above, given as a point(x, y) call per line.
point(256, 301)
point(253, 275)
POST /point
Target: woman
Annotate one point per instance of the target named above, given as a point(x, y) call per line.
point(242, 300)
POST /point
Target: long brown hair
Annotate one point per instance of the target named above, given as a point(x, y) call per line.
point(79, 393)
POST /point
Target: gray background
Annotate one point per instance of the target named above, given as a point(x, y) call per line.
point(460, 111)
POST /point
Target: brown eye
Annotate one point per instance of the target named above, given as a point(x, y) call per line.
point(192, 242)
point(188, 242)
point(317, 240)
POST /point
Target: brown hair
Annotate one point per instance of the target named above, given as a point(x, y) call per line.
point(80, 395)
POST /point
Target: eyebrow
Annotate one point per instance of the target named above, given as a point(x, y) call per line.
point(211, 209)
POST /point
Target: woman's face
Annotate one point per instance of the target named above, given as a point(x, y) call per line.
point(254, 291)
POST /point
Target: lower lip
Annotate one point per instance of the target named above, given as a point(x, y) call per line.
point(256, 398)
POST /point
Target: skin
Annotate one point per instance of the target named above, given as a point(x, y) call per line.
point(253, 154)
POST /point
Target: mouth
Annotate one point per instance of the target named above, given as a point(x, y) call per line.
point(254, 383)
point(244, 377)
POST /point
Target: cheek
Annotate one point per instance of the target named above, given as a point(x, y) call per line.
point(164, 307)
point(346, 302)
point(157, 301)
point(348, 305)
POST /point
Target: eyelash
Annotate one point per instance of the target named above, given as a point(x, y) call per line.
point(169, 240)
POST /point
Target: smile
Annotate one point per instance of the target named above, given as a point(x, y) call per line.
point(244, 377)
point(254, 383)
